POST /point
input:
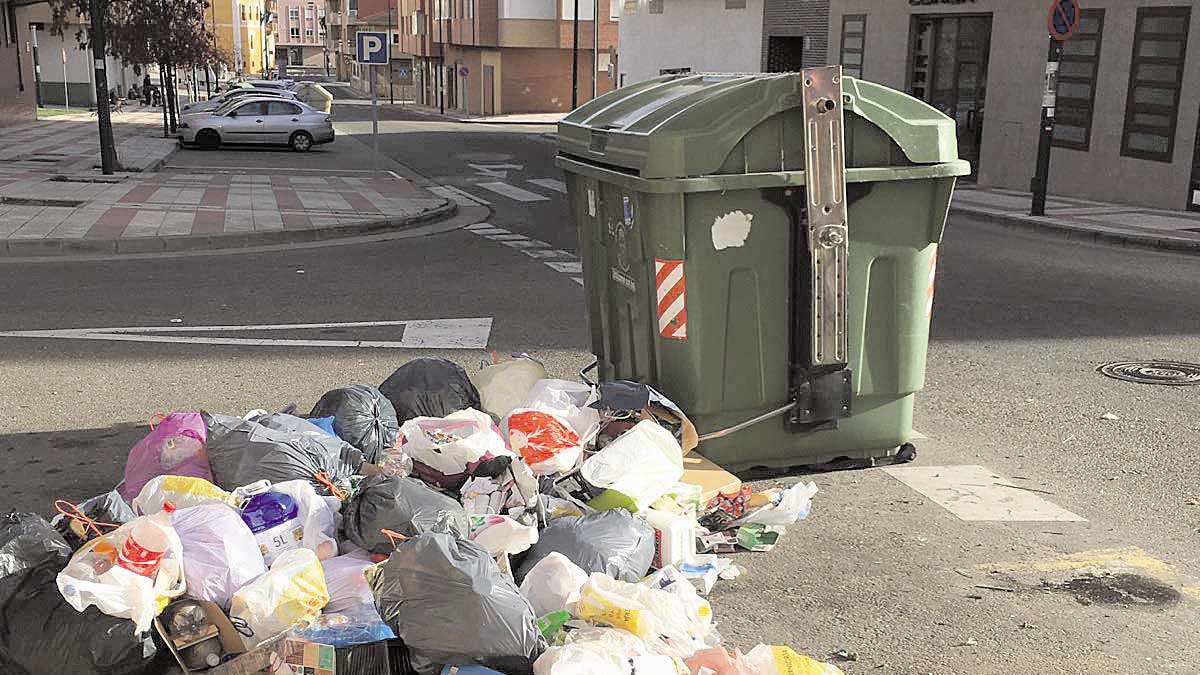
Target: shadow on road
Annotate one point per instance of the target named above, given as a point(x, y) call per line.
point(75, 465)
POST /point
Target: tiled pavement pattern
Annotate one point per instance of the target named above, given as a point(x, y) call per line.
point(70, 144)
point(181, 204)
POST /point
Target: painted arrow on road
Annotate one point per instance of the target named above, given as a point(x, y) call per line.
point(418, 334)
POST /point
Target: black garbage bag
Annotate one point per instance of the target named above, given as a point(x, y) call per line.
point(362, 416)
point(429, 387)
point(26, 539)
point(40, 634)
point(612, 542)
point(448, 601)
point(109, 507)
point(406, 506)
point(278, 447)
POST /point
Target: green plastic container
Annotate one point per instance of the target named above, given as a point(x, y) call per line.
point(709, 171)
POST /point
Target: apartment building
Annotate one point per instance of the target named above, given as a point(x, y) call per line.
point(300, 40)
point(729, 36)
point(245, 29)
point(486, 57)
point(1128, 106)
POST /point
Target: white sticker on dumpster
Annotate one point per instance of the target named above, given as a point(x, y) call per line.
point(731, 230)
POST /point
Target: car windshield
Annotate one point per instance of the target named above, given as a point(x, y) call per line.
point(229, 104)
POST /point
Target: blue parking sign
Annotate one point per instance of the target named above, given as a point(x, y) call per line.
point(372, 47)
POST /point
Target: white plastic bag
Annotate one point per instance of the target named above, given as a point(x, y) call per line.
point(553, 584)
point(349, 592)
point(443, 449)
point(544, 440)
point(92, 578)
point(642, 464)
point(185, 491)
point(503, 386)
point(776, 660)
point(662, 619)
point(317, 514)
point(591, 651)
point(292, 592)
point(789, 506)
point(220, 554)
point(570, 401)
point(501, 535)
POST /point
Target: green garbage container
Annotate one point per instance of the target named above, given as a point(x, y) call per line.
point(761, 248)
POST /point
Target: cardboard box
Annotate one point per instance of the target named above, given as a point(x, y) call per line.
point(247, 662)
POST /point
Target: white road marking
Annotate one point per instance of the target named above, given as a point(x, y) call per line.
point(513, 192)
point(490, 231)
point(480, 226)
point(527, 244)
point(550, 184)
point(463, 198)
point(418, 334)
point(566, 267)
point(495, 170)
point(508, 236)
point(578, 280)
point(974, 492)
point(547, 253)
point(395, 175)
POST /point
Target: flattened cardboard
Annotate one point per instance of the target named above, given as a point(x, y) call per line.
point(712, 479)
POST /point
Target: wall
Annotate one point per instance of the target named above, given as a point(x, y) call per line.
point(1013, 106)
point(697, 34)
point(807, 18)
point(17, 104)
point(528, 9)
point(539, 80)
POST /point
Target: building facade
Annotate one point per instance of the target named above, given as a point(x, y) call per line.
point(1128, 101)
point(659, 37)
point(18, 102)
point(301, 35)
point(245, 30)
point(490, 57)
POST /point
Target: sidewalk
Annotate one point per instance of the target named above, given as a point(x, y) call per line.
point(53, 202)
point(1120, 224)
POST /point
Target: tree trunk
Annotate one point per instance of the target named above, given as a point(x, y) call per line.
point(97, 38)
point(162, 87)
point(172, 98)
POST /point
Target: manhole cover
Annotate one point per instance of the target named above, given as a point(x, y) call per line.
point(1153, 372)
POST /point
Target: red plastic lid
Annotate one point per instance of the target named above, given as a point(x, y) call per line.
point(169, 506)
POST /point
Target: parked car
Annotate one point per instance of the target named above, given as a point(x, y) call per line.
point(220, 99)
point(267, 120)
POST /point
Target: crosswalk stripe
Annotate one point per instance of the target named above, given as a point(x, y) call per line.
point(547, 253)
point(513, 192)
point(510, 236)
point(491, 231)
point(566, 267)
point(527, 244)
point(480, 226)
point(550, 184)
point(578, 280)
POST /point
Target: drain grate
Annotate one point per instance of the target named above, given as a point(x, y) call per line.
point(31, 201)
point(1172, 373)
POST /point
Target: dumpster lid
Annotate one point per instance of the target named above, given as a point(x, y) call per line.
point(680, 126)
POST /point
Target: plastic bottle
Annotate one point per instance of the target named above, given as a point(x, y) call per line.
point(674, 537)
point(147, 542)
point(551, 623)
point(274, 519)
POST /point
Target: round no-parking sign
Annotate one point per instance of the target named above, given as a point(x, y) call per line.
point(1063, 19)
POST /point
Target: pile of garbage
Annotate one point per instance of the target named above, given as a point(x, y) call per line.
point(506, 523)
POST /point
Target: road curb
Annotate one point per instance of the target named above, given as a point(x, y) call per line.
point(1082, 233)
point(65, 248)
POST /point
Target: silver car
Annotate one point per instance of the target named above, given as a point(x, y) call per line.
point(220, 99)
point(259, 120)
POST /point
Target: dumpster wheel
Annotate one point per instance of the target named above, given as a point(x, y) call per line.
point(905, 454)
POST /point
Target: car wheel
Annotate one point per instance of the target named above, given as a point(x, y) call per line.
point(208, 139)
point(301, 141)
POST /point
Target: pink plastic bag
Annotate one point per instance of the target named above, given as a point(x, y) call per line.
point(174, 447)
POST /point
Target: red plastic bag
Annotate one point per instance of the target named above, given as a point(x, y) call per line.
point(545, 441)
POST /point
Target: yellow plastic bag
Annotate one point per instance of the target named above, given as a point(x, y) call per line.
point(777, 660)
point(185, 491)
point(662, 619)
point(292, 592)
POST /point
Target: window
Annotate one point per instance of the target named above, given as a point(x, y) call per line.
point(854, 33)
point(1077, 82)
point(293, 13)
point(252, 109)
point(308, 33)
point(294, 32)
point(785, 53)
point(1155, 81)
point(243, 8)
point(735, 4)
point(282, 108)
point(656, 6)
point(396, 38)
point(586, 12)
point(614, 10)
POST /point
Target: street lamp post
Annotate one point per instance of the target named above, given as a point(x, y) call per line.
point(391, 88)
point(441, 62)
point(595, 43)
point(575, 60)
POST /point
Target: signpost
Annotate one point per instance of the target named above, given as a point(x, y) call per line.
point(1061, 22)
point(372, 49)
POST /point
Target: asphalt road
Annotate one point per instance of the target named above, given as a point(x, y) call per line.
point(1020, 323)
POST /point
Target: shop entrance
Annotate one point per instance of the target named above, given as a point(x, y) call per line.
point(948, 69)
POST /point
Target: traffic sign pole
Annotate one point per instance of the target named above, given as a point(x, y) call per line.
point(1060, 23)
point(374, 124)
point(373, 49)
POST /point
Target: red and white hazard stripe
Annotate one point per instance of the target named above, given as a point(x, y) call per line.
point(672, 303)
point(929, 289)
